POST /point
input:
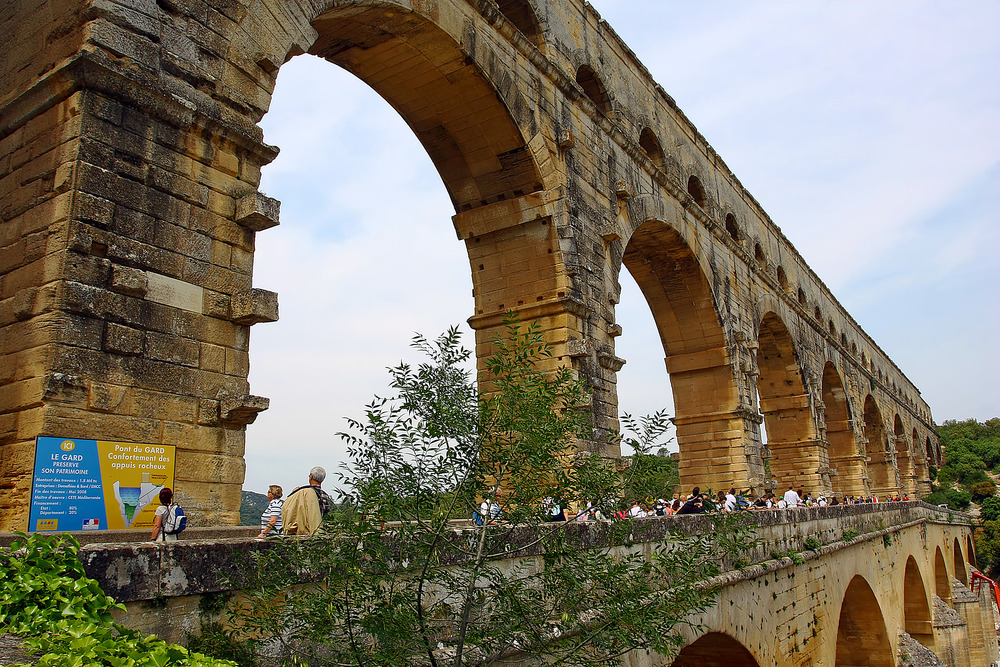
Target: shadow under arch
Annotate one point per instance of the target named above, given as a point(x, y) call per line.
point(880, 470)
point(917, 618)
point(861, 634)
point(942, 582)
point(715, 649)
point(709, 426)
point(970, 551)
point(470, 129)
point(844, 456)
point(903, 462)
point(796, 456)
point(961, 572)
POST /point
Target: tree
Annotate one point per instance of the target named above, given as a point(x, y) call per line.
point(395, 582)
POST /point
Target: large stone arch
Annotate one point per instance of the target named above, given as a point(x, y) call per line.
point(715, 649)
point(961, 571)
point(470, 126)
point(881, 472)
point(845, 459)
point(796, 455)
point(942, 581)
point(917, 616)
point(709, 427)
point(861, 631)
point(904, 465)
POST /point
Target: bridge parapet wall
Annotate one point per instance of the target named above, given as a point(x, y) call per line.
point(163, 584)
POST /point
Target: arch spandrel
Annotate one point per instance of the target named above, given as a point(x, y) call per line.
point(797, 456)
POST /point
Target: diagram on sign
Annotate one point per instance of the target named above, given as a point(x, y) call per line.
point(132, 499)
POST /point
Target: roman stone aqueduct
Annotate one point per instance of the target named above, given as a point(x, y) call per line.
point(129, 212)
point(129, 164)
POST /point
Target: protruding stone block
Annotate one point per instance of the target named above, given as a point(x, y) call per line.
point(257, 212)
point(622, 189)
point(255, 305)
point(126, 280)
point(577, 347)
point(242, 410)
point(566, 139)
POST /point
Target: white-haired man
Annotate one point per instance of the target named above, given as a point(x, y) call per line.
point(306, 506)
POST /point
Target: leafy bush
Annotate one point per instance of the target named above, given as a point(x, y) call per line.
point(956, 500)
point(46, 597)
point(990, 509)
point(982, 490)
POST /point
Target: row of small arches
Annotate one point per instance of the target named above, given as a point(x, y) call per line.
point(522, 16)
point(862, 636)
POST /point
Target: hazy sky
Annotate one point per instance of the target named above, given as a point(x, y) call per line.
point(869, 131)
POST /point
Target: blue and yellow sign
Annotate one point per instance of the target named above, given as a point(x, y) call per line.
point(97, 484)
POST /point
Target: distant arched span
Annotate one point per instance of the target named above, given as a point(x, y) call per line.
point(715, 649)
point(861, 635)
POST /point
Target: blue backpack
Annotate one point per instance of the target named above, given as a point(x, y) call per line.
point(175, 521)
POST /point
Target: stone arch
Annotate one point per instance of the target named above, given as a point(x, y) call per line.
point(961, 572)
point(920, 463)
point(651, 146)
point(706, 397)
point(697, 191)
point(844, 456)
point(783, 279)
point(593, 88)
point(470, 131)
point(759, 256)
point(917, 617)
point(523, 16)
point(970, 550)
point(733, 228)
point(879, 465)
point(942, 582)
point(861, 634)
point(795, 454)
point(903, 463)
point(715, 649)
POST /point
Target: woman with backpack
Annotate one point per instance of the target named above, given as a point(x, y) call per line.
point(159, 521)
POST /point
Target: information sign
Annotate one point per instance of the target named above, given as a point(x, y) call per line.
point(97, 484)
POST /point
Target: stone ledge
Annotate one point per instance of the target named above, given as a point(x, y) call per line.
point(254, 306)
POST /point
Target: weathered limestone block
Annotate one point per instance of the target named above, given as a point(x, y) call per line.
point(254, 306)
point(242, 410)
point(123, 340)
point(126, 280)
point(257, 212)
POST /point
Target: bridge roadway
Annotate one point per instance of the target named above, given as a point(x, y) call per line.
point(880, 571)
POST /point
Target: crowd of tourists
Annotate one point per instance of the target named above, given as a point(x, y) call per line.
point(697, 502)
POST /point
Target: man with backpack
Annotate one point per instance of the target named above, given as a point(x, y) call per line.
point(306, 506)
point(169, 519)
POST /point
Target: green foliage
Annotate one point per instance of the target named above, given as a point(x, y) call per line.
point(651, 476)
point(849, 534)
point(982, 490)
point(46, 597)
point(990, 509)
point(252, 506)
point(956, 500)
point(215, 640)
point(812, 543)
point(422, 591)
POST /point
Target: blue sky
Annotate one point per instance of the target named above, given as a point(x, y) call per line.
point(869, 131)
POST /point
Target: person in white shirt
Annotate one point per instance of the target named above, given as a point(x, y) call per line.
point(730, 503)
point(636, 510)
point(792, 498)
